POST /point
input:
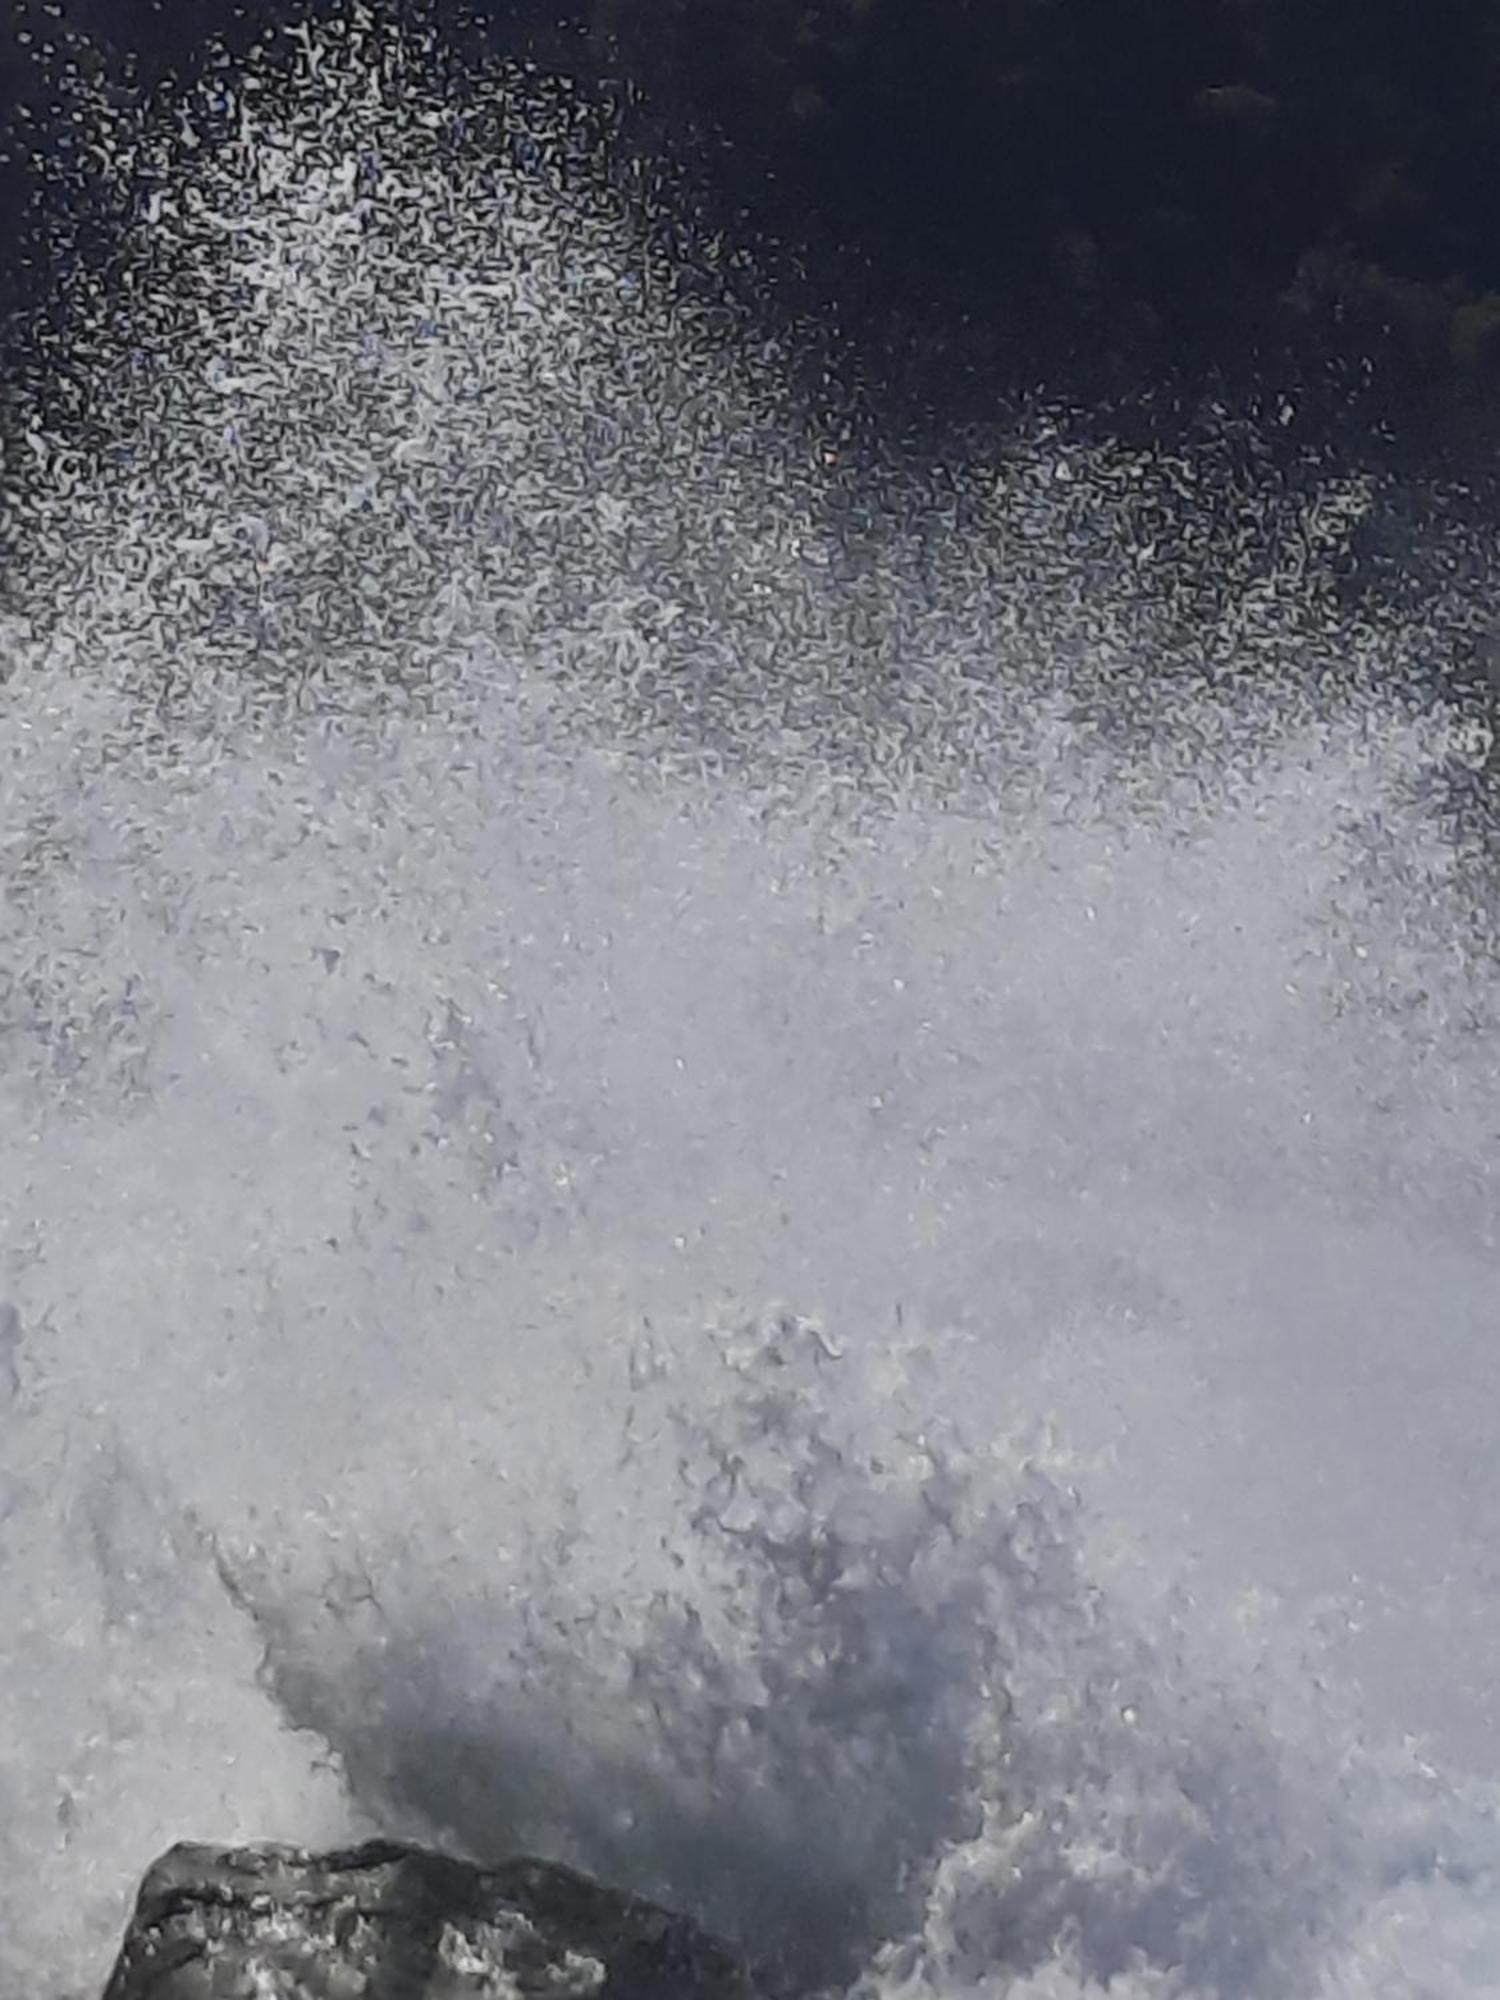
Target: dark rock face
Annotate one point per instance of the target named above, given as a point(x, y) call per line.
point(386, 1922)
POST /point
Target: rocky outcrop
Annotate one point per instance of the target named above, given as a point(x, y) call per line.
point(388, 1922)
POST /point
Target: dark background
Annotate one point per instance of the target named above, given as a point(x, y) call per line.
point(985, 193)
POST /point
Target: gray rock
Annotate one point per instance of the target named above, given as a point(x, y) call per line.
point(387, 1922)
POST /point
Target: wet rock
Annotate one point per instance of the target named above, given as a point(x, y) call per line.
point(388, 1922)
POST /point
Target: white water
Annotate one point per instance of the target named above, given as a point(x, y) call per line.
point(782, 1187)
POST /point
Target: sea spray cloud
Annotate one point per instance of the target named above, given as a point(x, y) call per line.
point(517, 856)
point(876, 1708)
